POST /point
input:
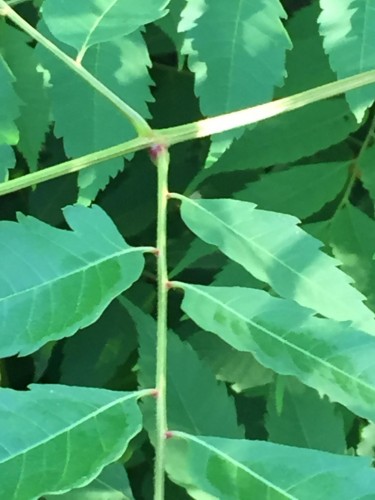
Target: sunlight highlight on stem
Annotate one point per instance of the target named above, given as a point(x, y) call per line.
point(138, 122)
point(160, 156)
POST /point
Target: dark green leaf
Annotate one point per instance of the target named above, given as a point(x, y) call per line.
point(196, 401)
point(306, 420)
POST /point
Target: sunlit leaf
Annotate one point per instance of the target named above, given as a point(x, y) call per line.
point(54, 281)
point(83, 24)
point(275, 250)
point(111, 484)
point(33, 123)
point(230, 469)
point(9, 106)
point(329, 356)
point(348, 29)
point(352, 238)
point(85, 119)
point(54, 438)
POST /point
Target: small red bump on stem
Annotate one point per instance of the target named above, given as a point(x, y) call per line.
point(169, 285)
point(155, 151)
point(156, 252)
point(155, 393)
point(168, 434)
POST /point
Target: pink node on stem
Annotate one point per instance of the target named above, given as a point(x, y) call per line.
point(155, 151)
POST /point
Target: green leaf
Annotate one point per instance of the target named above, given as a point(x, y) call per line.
point(85, 119)
point(54, 281)
point(33, 123)
point(306, 420)
point(275, 250)
point(366, 165)
point(83, 24)
point(196, 401)
point(329, 356)
point(55, 438)
point(7, 161)
point(348, 29)
point(301, 190)
point(240, 369)
point(230, 469)
point(232, 274)
point(111, 484)
point(287, 138)
point(92, 356)
point(230, 43)
point(234, 38)
point(352, 238)
point(9, 105)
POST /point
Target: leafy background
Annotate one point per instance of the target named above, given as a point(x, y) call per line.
point(292, 361)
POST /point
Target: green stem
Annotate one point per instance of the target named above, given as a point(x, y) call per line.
point(140, 125)
point(195, 130)
point(162, 163)
point(74, 165)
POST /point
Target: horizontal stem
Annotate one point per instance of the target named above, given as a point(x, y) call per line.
point(73, 165)
point(138, 122)
point(195, 130)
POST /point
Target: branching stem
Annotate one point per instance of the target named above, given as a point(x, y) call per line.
point(139, 123)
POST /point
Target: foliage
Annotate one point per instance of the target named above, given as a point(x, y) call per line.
point(202, 327)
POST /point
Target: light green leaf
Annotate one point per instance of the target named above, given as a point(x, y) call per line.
point(55, 438)
point(7, 161)
point(306, 420)
point(196, 401)
point(54, 282)
point(33, 123)
point(329, 356)
point(348, 29)
point(275, 250)
point(231, 469)
point(240, 369)
point(301, 190)
point(93, 355)
point(85, 120)
point(352, 238)
point(234, 38)
point(111, 484)
point(230, 43)
point(83, 24)
point(9, 105)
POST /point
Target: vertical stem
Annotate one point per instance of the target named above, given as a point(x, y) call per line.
point(161, 158)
